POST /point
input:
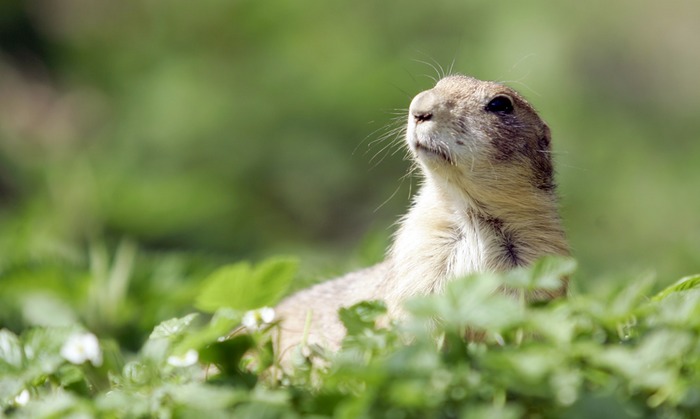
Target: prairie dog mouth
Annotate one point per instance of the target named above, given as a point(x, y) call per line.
point(427, 116)
point(434, 150)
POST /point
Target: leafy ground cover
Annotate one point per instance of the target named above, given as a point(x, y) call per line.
point(627, 352)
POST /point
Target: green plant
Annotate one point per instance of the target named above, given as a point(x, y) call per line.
point(621, 354)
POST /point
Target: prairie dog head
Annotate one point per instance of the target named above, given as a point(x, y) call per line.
point(474, 132)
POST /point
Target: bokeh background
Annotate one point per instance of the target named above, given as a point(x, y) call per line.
point(241, 129)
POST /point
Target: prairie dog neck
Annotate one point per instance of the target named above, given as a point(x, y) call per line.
point(445, 237)
point(487, 202)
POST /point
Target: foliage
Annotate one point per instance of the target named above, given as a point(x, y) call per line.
point(245, 288)
point(617, 354)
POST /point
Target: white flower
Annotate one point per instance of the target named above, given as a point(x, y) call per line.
point(22, 398)
point(255, 319)
point(81, 347)
point(185, 360)
point(267, 314)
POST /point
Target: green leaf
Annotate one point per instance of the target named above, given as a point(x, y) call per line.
point(221, 324)
point(472, 301)
point(545, 273)
point(263, 410)
point(361, 316)
point(11, 354)
point(71, 376)
point(678, 310)
point(226, 355)
point(411, 393)
point(533, 364)
point(124, 403)
point(554, 324)
point(173, 328)
point(684, 284)
point(224, 287)
point(57, 404)
point(273, 278)
point(42, 349)
point(492, 412)
point(627, 301)
point(241, 287)
point(10, 387)
point(138, 373)
point(205, 397)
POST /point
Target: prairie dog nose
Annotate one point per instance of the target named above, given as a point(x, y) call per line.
point(424, 106)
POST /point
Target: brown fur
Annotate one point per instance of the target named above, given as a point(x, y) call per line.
point(487, 204)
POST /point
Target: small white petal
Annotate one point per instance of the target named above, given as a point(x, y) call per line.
point(253, 320)
point(81, 347)
point(250, 320)
point(22, 398)
point(73, 351)
point(96, 357)
point(185, 360)
point(267, 314)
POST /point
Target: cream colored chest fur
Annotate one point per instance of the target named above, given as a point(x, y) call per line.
point(435, 243)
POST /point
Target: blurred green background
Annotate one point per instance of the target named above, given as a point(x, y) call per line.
point(241, 129)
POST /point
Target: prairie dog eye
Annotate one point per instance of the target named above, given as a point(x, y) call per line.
point(500, 104)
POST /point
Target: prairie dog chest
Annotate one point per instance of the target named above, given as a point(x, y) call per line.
point(431, 250)
point(472, 244)
point(469, 250)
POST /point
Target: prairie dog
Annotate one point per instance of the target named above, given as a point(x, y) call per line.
point(487, 203)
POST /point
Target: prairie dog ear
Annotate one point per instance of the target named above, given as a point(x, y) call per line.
point(544, 142)
point(541, 161)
